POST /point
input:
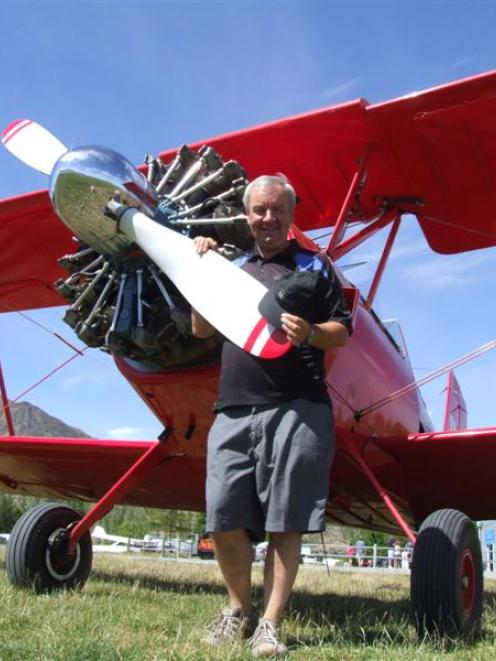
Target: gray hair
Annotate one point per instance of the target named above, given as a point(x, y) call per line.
point(270, 180)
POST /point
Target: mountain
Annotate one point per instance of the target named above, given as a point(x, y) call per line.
point(29, 420)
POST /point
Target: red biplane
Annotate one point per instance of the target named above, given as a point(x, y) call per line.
point(356, 167)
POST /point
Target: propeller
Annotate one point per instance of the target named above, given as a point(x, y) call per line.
point(33, 145)
point(112, 290)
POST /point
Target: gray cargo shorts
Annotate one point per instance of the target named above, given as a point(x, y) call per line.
point(268, 468)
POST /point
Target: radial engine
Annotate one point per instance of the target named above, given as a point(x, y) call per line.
point(118, 299)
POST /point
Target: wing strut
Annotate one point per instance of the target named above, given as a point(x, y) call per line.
point(353, 194)
point(156, 454)
point(6, 405)
point(408, 532)
point(382, 263)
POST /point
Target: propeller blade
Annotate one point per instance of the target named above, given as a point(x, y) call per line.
point(33, 145)
point(224, 294)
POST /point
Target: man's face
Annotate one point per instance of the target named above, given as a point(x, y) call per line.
point(270, 216)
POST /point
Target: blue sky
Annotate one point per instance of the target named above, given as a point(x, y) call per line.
point(143, 76)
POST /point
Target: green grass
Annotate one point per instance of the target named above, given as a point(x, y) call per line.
point(153, 609)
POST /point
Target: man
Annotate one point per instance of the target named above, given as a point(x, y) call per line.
point(271, 446)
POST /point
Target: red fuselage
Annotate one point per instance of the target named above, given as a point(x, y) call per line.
point(364, 371)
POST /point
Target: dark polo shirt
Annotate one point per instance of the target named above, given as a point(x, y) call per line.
point(247, 380)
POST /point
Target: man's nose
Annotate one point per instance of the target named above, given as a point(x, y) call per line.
point(269, 214)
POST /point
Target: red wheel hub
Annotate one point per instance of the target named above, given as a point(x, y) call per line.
point(467, 582)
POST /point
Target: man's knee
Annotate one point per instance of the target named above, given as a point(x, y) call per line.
point(232, 543)
point(285, 539)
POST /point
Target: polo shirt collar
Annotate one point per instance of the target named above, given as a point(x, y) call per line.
point(287, 253)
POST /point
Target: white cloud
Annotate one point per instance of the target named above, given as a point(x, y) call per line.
point(450, 271)
point(127, 433)
point(341, 90)
point(459, 64)
point(87, 378)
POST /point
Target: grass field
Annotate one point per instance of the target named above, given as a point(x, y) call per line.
point(142, 608)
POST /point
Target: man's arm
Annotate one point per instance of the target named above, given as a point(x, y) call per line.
point(327, 335)
point(200, 327)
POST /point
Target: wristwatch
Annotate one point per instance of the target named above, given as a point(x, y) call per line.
point(311, 335)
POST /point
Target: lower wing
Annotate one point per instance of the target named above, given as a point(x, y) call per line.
point(454, 469)
point(84, 469)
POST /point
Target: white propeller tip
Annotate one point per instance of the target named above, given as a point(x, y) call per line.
point(9, 131)
point(32, 144)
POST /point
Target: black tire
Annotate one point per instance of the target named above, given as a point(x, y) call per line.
point(31, 561)
point(447, 576)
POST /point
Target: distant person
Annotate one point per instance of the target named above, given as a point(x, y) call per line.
point(390, 553)
point(350, 553)
point(409, 551)
point(397, 555)
point(360, 552)
point(271, 446)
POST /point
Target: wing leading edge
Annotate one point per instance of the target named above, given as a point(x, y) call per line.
point(437, 147)
point(453, 469)
point(84, 469)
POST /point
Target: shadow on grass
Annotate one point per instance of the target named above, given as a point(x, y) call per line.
point(353, 619)
point(324, 619)
point(359, 620)
point(154, 583)
point(490, 599)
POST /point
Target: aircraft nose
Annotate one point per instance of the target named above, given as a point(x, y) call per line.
point(82, 182)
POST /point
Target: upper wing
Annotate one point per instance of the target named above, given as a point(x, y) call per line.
point(437, 147)
point(32, 239)
point(452, 469)
point(84, 469)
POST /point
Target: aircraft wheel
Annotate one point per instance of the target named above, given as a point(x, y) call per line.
point(37, 553)
point(447, 576)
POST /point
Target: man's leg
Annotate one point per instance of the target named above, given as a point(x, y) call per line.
point(281, 566)
point(234, 553)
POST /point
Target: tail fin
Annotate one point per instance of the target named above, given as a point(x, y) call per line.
point(455, 413)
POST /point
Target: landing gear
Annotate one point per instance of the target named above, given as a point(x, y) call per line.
point(447, 576)
point(38, 553)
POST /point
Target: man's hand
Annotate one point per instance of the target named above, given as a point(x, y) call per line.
point(297, 329)
point(327, 335)
point(205, 243)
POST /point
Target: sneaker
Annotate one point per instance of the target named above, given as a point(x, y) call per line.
point(265, 641)
point(231, 625)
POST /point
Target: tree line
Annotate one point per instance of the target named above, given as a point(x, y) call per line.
point(139, 521)
point(122, 520)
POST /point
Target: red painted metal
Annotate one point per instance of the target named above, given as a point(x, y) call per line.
point(369, 230)
point(443, 469)
point(6, 405)
point(447, 405)
point(438, 146)
point(382, 264)
point(407, 531)
point(386, 459)
point(87, 469)
point(415, 385)
point(455, 411)
point(351, 198)
point(468, 583)
point(151, 458)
